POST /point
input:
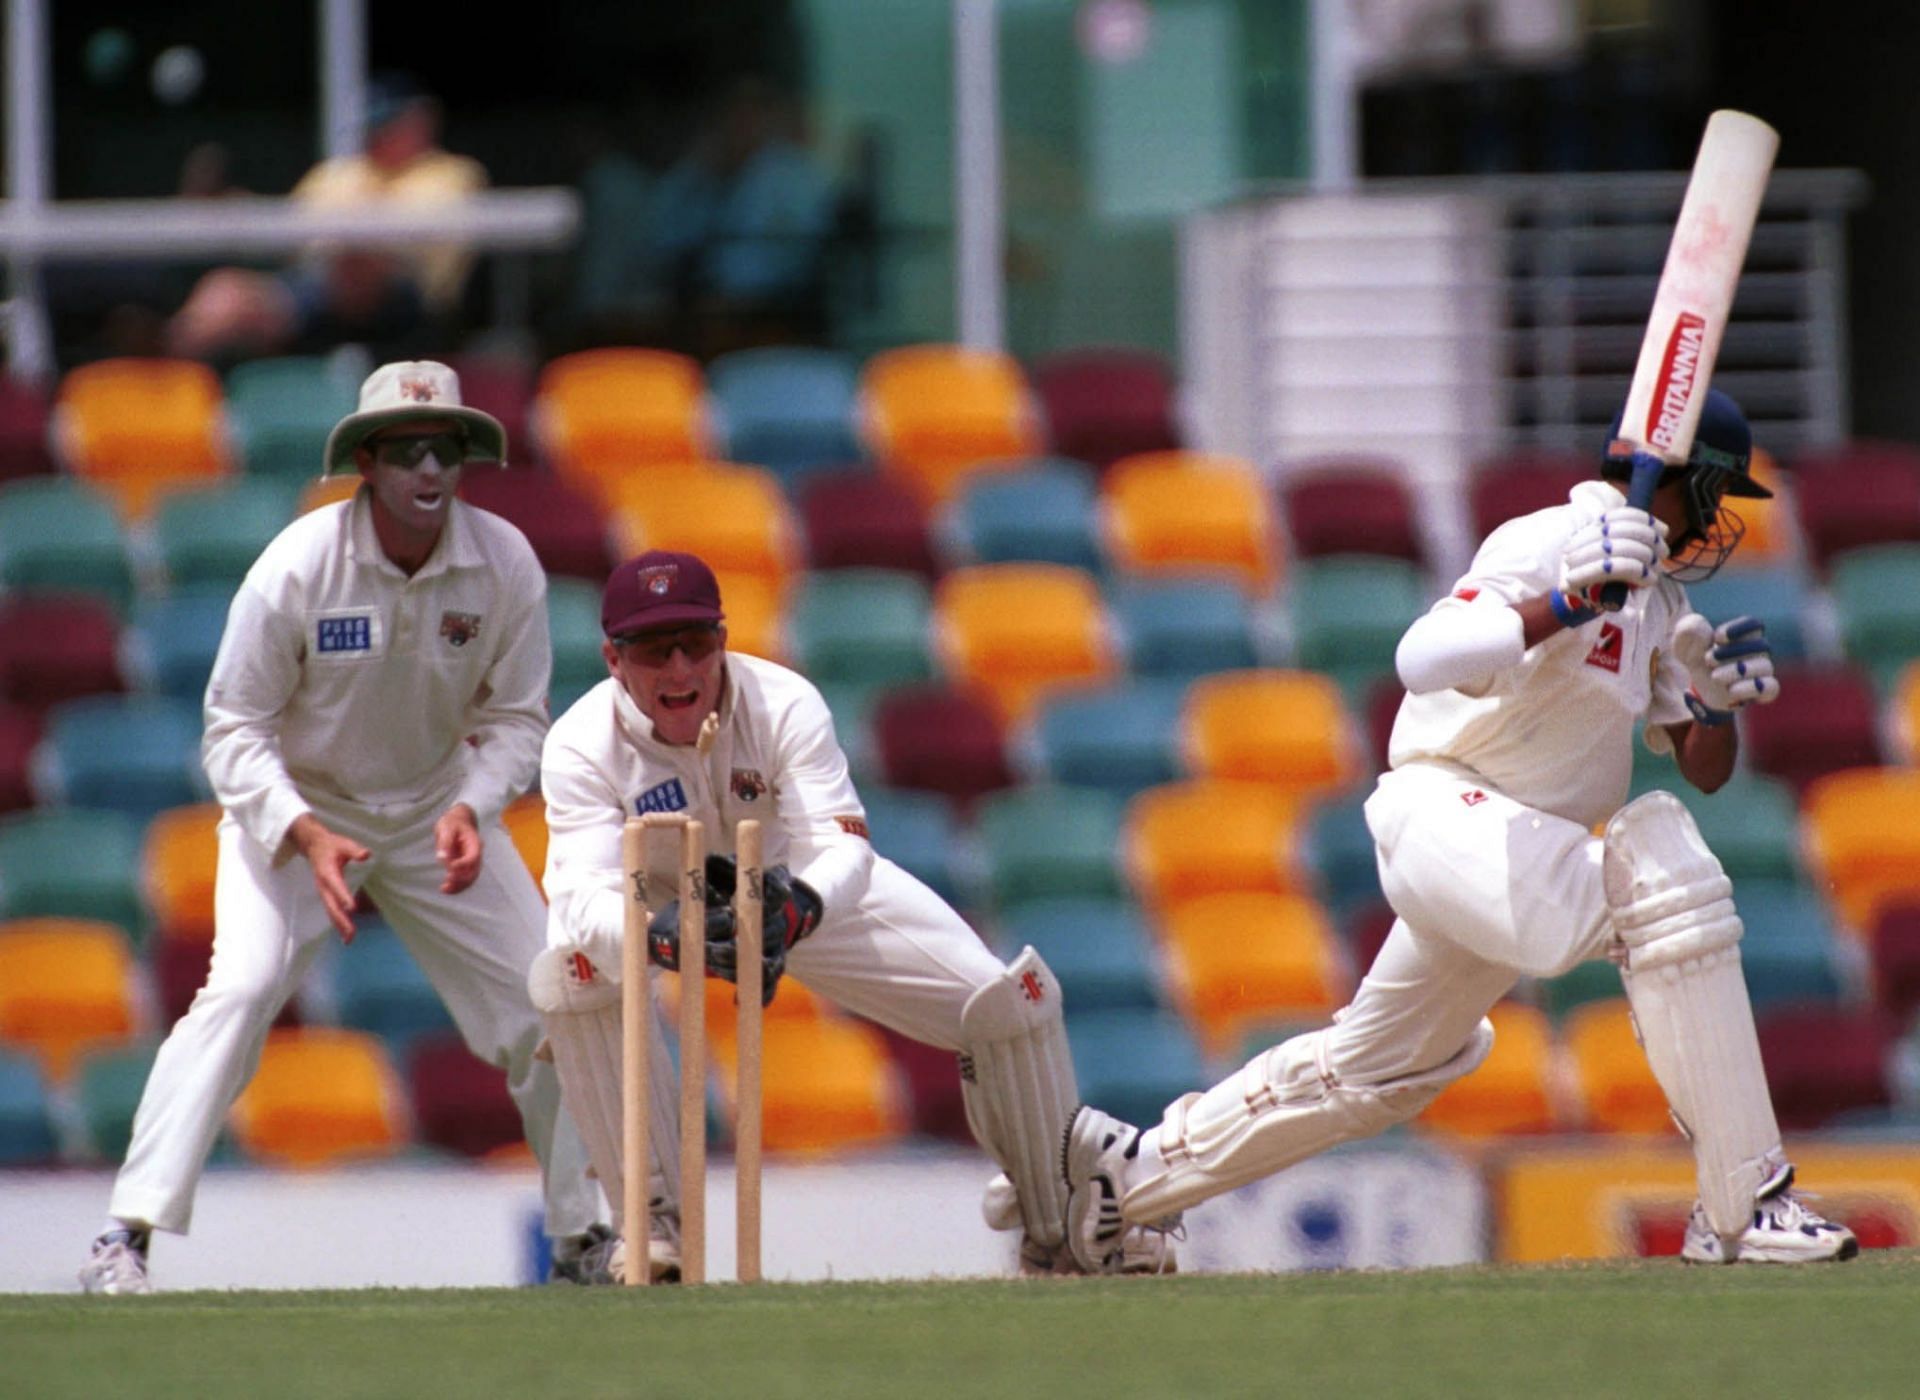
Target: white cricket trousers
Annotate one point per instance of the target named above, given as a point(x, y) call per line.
point(475, 947)
point(1487, 890)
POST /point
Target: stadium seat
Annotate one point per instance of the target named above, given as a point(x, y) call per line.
point(1133, 1063)
point(137, 754)
point(1791, 950)
point(756, 614)
point(734, 517)
point(1596, 980)
point(940, 739)
point(1520, 482)
point(525, 819)
point(917, 831)
point(1183, 628)
point(170, 646)
point(1770, 537)
point(1893, 949)
point(58, 535)
point(1512, 1091)
point(1827, 718)
point(1120, 737)
point(1044, 842)
point(56, 647)
point(19, 737)
point(854, 519)
point(1235, 960)
point(1206, 836)
point(66, 986)
point(322, 1095)
point(212, 534)
point(1862, 493)
point(1349, 612)
point(1381, 709)
point(1021, 632)
point(1823, 1061)
point(108, 1086)
point(934, 415)
point(1752, 824)
point(1614, 1086)
point(829, 1085)
point(599, 412)
point(1356, 506)
point(1779, 596)
point(326, 491)
point(1044, 511)
point(25, 411)
point(1365, 928)
point(1337, 850)
point(178, 858)
point(1104, 403)
point(567, 530)
point(1100, 949)
point(1860, 831)
point(1876, 595)
point(864, 627)
point(280, 408)
point(379, 987)
point(139, 427)
point(503, 385)
point(790, 409)
point(573, 625)
point(72, 863)
point(1188, 513)
point(460, 1102)
point(1902, 722)
point(1287, 728)
point(29, 1136)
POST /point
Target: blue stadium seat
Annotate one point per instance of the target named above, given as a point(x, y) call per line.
point(27, 1131)
point(1778, 596)
point(379, 987)
point(74, 864)
point(109, 1089)
point(212, 534)
point(1121, 738)
point(1048, 842)
point(866, 627)
point(138, 754)
point(1181, 628)
point(1338, 849)
point(1349, 613)
point(787, 408)
point(1046, 511)
point(573, 622)
point(1133, 1064)
point(1791, 952)
point(917, 831)
point(175, 637)
point(1752, 824)
point(60, 535)
point(1100, 949)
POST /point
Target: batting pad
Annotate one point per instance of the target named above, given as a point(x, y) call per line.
point(580, 1008)
point(1017, 1080)
point(1672, 906)
point(1284, 1105)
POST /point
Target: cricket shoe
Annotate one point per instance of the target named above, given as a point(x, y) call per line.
point(586, 1258)
point(663, 1248)
point(1094, 1159)
point(117, 1263)
point(1785, 1230)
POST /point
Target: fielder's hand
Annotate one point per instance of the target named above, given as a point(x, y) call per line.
point(1625, 545)
point(1731, 666)
point(456, 841)
point(329, 853)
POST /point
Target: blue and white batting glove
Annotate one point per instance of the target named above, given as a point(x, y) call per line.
point(1731, 666)
point(1626, 545)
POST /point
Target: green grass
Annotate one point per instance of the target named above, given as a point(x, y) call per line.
point(1644, 1329)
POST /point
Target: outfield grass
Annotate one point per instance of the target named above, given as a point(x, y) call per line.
point(1646, 1329)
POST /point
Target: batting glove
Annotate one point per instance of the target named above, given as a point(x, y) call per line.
point(1731, 666)
point(1625, 545)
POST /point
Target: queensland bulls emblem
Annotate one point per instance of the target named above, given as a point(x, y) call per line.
point(419, 390)
point(459, 628)
point(748, 785)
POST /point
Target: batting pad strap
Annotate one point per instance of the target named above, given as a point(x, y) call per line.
point(1285, 1105)
point(580, 1010)
point(1017, 1078)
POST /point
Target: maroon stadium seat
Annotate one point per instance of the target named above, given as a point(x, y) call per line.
point(503, 386)
point(1860, 494)
point(566, 529)
point(460, 1102)
point(1102, 404)
point(1893, 943)
point(19, 732)
point(939, 739)
point(1356, 506)
point(1825, 720)
point(23, 431)
point(56, 647)
point(1519, 483)
point(857, 519)
point(1824, 1060)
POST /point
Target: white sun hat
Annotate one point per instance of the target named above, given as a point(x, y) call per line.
point(410, 389)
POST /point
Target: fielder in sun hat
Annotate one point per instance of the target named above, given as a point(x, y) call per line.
point(660, 588)
point(413, 389)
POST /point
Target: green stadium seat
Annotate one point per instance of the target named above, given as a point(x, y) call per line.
point(280, 410)
point(1752, 824)
point(28, 1135)
point(1792, 952)
point(1349, 613)
point(1047, 842)
point(109, 1087)
point(379, 987)
point(863, 627)
point(59, 535)
point(1100, 949)
point(573, 619)
point(1590, 981)
point(174, 638)
point(72, 863)
point(1182, 628)
point(212, 534)
point(1876, 592)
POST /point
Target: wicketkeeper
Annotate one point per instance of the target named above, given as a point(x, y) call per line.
point(1514, 744)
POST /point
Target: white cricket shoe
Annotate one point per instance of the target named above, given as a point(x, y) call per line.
point(663, 1249)
point(1785, 1230)
point(1094, 1159)
point(117, 1264)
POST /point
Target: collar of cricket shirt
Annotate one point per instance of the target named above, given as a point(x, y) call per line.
point(457, 548)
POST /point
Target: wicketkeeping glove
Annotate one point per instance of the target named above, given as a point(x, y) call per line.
point(663, 929)
point(790, 910)
point(1731, 666)
point(1625, 545)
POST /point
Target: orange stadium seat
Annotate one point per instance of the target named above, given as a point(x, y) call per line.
point(1020, 631)
point(67, 986)
point(1239, 959)
point(934, 415)
point(325, 490)
point(1288, 728)
point(1860, 832)
point(1903, 714)
point(601, 412)
point(1772, 536)
point(177, 862)
point(1207, 836)
point(1615, 1086)
point(526, 821)
point(1190, 512)
point(135, 427)
point(1513, 1091)
point(322, 1095)
point(734, 517)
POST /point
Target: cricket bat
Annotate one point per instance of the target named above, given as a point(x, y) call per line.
point(1694, 298)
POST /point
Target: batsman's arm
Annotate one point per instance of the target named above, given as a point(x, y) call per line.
point(255, 673)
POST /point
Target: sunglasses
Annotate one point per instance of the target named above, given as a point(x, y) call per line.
point(448, 449)
point(657, 648)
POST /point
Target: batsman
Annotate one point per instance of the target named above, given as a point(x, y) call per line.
point(1513, 747)
point(682, 725)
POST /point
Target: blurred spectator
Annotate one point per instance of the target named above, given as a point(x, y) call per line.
point(335, 294)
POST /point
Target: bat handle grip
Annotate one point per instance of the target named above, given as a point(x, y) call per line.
point(1647, 469)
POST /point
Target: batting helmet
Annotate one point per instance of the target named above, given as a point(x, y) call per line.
point(1719, 465)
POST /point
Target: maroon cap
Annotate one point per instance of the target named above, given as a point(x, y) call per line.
point(659, 589)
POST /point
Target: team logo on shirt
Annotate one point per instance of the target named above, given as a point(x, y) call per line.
point(419, 390)
point(459, 628)
point(662, 797)
point(1606, 652)
point(748, 785)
